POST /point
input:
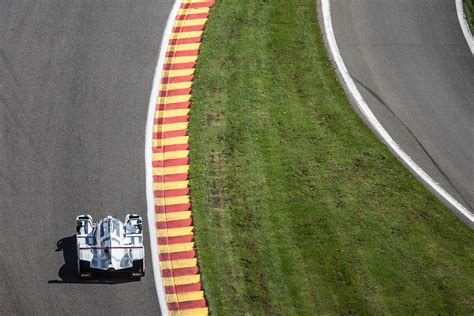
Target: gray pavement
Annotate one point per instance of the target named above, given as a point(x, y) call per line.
point(414, 69)
point(75, 80)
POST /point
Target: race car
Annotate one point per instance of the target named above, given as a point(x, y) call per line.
point(110, 245)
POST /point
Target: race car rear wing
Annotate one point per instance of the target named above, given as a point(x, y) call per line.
point(107, 248)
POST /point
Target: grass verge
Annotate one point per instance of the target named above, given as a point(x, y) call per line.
point(298, 208)
point(469, 12)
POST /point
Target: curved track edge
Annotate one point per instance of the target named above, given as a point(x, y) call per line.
point(324, 14)
point(464, 25)
point(177, 276)
point(148, 158)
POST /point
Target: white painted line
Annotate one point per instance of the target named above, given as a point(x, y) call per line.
point(464, 25)
point(160, 290)
point(461, 211)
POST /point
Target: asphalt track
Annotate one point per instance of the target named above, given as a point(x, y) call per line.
point(75, 81)
point(414, 69)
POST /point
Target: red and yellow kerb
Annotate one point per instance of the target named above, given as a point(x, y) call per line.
point(174, 224)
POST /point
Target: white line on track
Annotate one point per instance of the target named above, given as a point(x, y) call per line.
point(464, 25)
point(148, 158)
point(349, 84)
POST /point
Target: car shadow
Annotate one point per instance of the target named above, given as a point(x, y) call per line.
point(68, 271)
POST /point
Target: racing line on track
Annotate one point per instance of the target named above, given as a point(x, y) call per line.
point(170, 163)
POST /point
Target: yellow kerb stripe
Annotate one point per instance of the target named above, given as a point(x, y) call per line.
point(170, 155)
point(176, 247)
point(159, 217)
point(181, 23)
point(171, 141)
point(175, 264)
point(189, 279)
point(174, 99)
point(174, 86)
point(179, 60)
point(194, 1)
point(182, 47)
point(182, 297)
point(178, 73)
point(172, 200)
point(160, 171)
point(174, 232)
point(191, 312)
point(171, 185)
point(192, 11)
point(159, 128)
point(179, 35)
point(171, 113)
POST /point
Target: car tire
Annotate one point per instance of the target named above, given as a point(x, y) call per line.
point(137, 271)
point(136, 276)
point(84, 269)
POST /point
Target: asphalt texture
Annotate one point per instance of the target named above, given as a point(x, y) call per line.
point(75, 81)
point(413, 67)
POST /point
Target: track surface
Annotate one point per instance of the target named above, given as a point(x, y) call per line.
point(75, 80)
point(414, 69)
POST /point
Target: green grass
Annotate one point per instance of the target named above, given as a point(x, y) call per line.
point(469, 11)
point(298, 208)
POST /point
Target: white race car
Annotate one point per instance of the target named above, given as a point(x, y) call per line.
point(110, 245)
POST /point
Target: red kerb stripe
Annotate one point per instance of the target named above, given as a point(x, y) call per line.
point(171, 177)
point(187, 305)
point(189, 40)
point(171, 93)
point(179, 272)
point(182, 53)
point(184, 288)
point(168, 256)
point(171, 120)
point(193, 16)
point(169, 148)
point(175, 224)
point(204, 4)
point(179, 66)
point(177, 79)
point(160, 209)
point(173, 106)
point(190, 28)
point(171, 162)
point(172, 193)
point(175, 240)
point(164, 135)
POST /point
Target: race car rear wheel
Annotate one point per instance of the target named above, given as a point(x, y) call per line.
point(137, 271)
point(84, 269)
point(136, 276)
